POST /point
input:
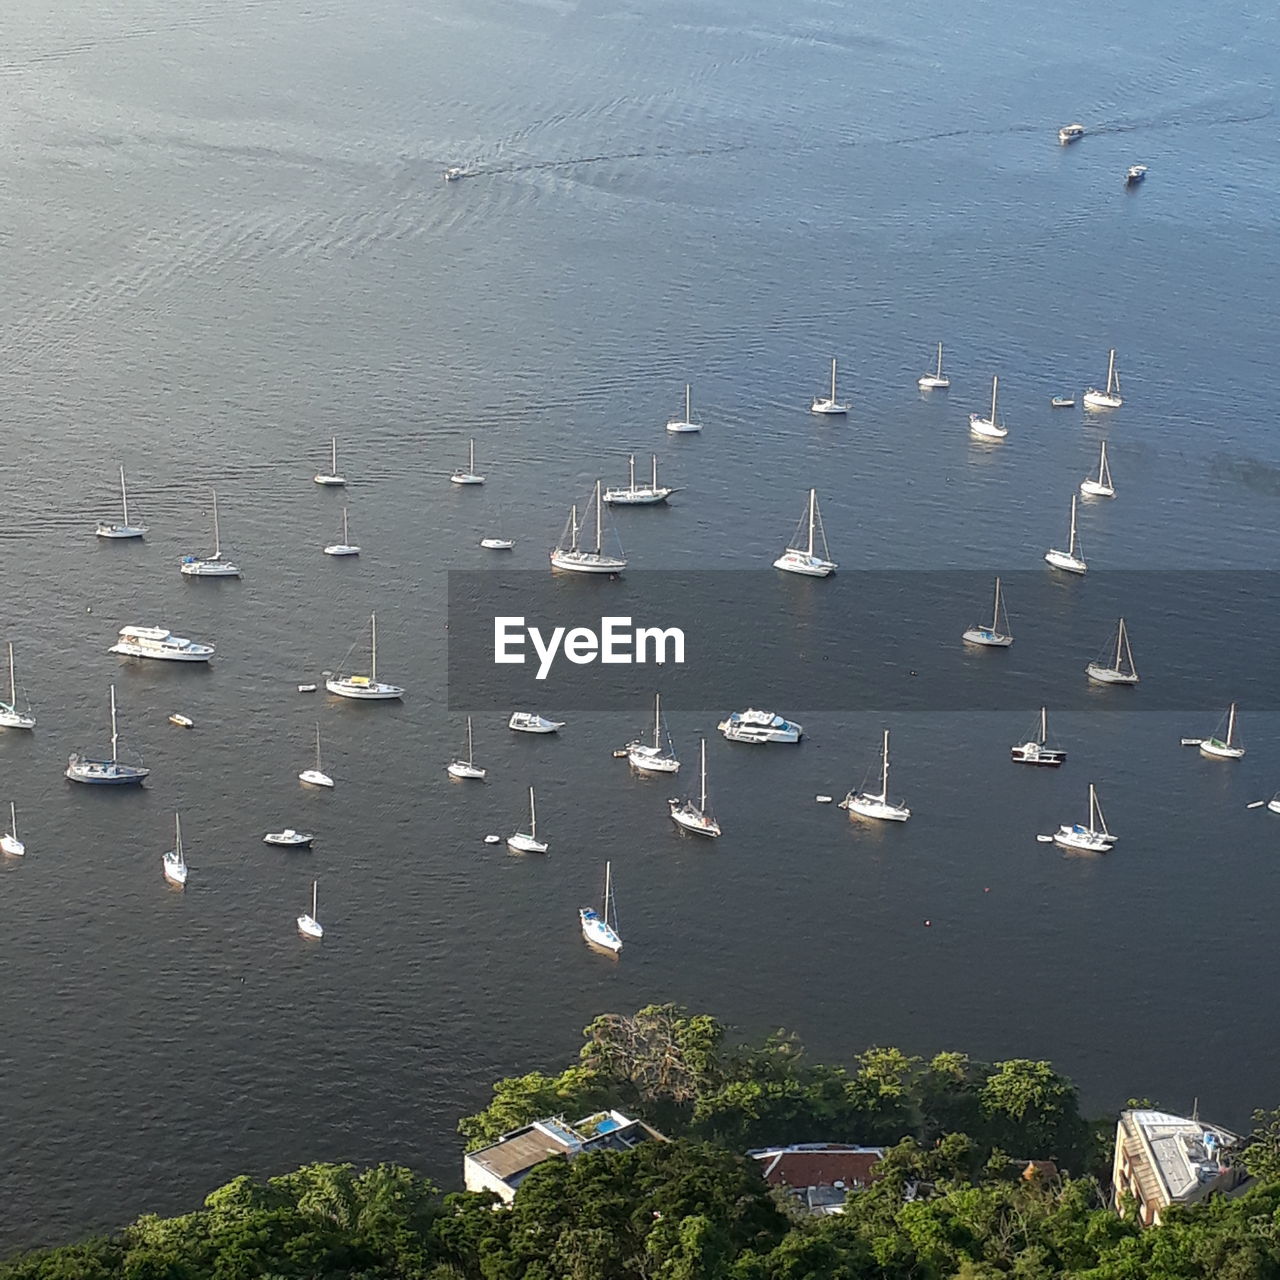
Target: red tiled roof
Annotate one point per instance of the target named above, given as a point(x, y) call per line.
point(818, 1168)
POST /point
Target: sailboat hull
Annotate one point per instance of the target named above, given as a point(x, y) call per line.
point(987, 637)
point(1065, 561)
point(690, 818)
point(330, 481)
point(315, 778)
point(1216, 749)
point(832, 408)
point(1110, 675)
point(104, 773)
point(1083, 840)
point(801, 562)
point(362, 689)
point(931, 382)
point(522, 843)
point(121, 530)
point(1092, 489)
point(13, 719)
point(497, 544)
point(462, 769)
point(175, 872)
point(310, 928)
point(643, 497)
point(466, 477)
point(650, 759)
point(586, 562)
point(194, 567)
point(984, 429)
point(597, 932)
point(1035, 753)
point(342, 549)
point(1094, 399)
point(878, 807)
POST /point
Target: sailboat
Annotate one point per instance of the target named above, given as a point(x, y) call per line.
point(1070, 560)
point(367, 688)
point(213, 566)
point(991, 635)
point(988, 428)
point(317, 776)
point(1094, 838)
point(331, 479)
point(175, 865)
point(645, 495)
point(1116, 666)
point(9, 842)
point(465, 766)
point(655, 758)
point(105, 772)
point(527, 841)
point(877, 805)
point(685, 425)
point(10, 716)
point(344, 547)
point(937, 380)
point(696, 817)
point(308, 925)
point(124, 530)
point(800, 556)
point(1102, 486)
point(1036, 749)
point(577, 559)
point(468, 476)
point(1110, 398)
point(829, 404)
point(601, 928)
point(1227, 748)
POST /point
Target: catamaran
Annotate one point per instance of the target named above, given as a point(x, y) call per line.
point(990, 428)
point(366, 688)
point(527, 841)
point(1227, 748)
point(465, 766)
point(695, 817)
point(1115, 666)
point(124, 530)
point(105, 772)
point(9, 842)
point(1110, 398)
point(1070, 560)
point(531, 722)
point(829, 404)
point(1094, 838)
point(331, 478)
point(759, 726)
point(309, 925)
point(685, 425)
point(601, 927)
point(175, 865)
point(870, 804)
point(317, 776)
point(1036, 749)
point(575, 558)
point(992, 635)
point(644, 495)
point(655, 757)
point(345, 547)
point(800, 556)
point(935, 381)
point(1102, 486)
point(159, 642)
point(10, 716)
point(468, 476)
point(213, 566)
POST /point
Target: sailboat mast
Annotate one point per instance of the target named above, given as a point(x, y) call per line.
point(318, 769)
point(314, 897)
point(995, 609)
point(1072, 549)
point(1044, 725)
point(13, 694)
point(687, 402)
point(217, 538)
point(702, 802)
point(469, 747)
point(939, 373)
point(1231, 724)
point(631, 472)
point(1111, 372)
point(599, 524)
point(346, 541)
point(813, 510)
point(608, 887)
point(1102, 465)
point(654, 482)
point(124, 498)
point(995, 382)
point(113, 724)
point(657, 721)
point(13, 819)
point(533, 816)
point(884, 768)
point(471, 458)
point(373, 657)
point(333, 458)
point(1119, 643)
point(177, 836)
point(833, 378)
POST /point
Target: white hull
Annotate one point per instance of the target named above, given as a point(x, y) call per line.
point(1062, 402)
point(185, 651)
point(1220, 750)
point(690, 818)
point(121, 530)
point(104, 772)
point(175, 872)
point(646, 497)
point(985, 429)
point(11, 845)
point(330, 481)
point(683, 428)
point(1273, 806)
point(1083, 840)
point(586, 562)
point(1034, 753)
point(462, 769)
point(497, 544)
point(650, 759)
point(466, 477)
point(803, 563)
point(363, 689)
point(757, 726)
point(597, 932)
point(315, 778)
point(1067, 563)
point(866, 806)
point(749, 734)
point(522, 843)
point(985, 636)
point(342, 549)
point(1100, 400)
point(197, 568)
point(1092, 489)
point(931, 382)
point(832, 408)
point(289, 839)
point(1109, 675)
point(524, 722)
point(11, 719)
point(310, 928)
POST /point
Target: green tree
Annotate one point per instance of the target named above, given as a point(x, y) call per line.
point(1261, 1152)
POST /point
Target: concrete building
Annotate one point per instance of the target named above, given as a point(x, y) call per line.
point(1162, 1159)
point(819, 1174)
point(503, 1166)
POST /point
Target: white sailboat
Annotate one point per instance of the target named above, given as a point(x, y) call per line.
point(345, 547)
point(331, 479)
point(465, 766)
point(801, 556)
point(317, 776)
point(527, 841)
point(125, 529)
point(829, 404)
point(1093, 838)
point(9, 842)
point(1110, 398)
point(696, 817)
point(868, 804)
point(212, 566)
point(685, 425)
point(309, 925)
point(365, 688)
point(10, 716)
point(644, 495)
point(1116, 665)
point(1071, 560)
point(175, 864)
point(992, 635)
point(1227, 748)
point(988, 428)
point(653, 758)
point(468, 476)
point(1036, 750)
point(575, 558)
point(105, 772)
point(601, 927)
point(1102, 486)
point(935, 381)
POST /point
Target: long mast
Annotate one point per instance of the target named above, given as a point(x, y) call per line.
point(113, 724)
point(884, 768)
point(813, 514)
point(13, 819)
point(599, 524)
point(124, 498)
point(314, 897)
point(1231, 723)
point(373, 657)
point(1071, 550)
point(833, 379)
point(471, 458)
point(657, 721)
point(217, 538)
point(1044, 725)
point(318, 768)
point(702, 804)
point(346, 541)
point(631, 472)
point(654, 483)
point(469, 750)
point(333, 458)
point(995, 382)
point(13, 694)
point(995, 610)
point(1111, 372)
point(177, 838)
point(687, 403)
point(1104, 473)
point(608, 889)
point(533, 817)
point(939, 373)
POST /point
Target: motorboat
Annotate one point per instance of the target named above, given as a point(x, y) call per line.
point(1070, 133)
point(160, 642)
point(454, 172)
point(1134, 174)
point(531, 722)
point(289, 838)
point(183, 722)
point(759, 726)
point(1062, 402)
point(498, 544)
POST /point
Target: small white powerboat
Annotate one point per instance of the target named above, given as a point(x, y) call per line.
point(289, 838)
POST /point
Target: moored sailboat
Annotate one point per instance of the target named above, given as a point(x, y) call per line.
point(696, 818)
point(1071, 560)
point(685, 425)
point(309, 924)
point(989, 428)
point(124, 529)
point(1116, 665)
point(1224, 748)
point(175, 863)
point(1036, 749)
point(9, 841)
point(465, 766)
point(870, 804)
point(1093, 838)
point(801, 556)
point(345, 547)
point(105, 772)
point(991, 636)
point(468, 475)
point(829, 404)
point(10, 716)
point(653, 758)
point(937, 380)
point(1102, 486)
point(317, 776)
point(1110, 398)
point(331, 479)
point(644, 495)
point(365, 688)
point(211, 566)
point(601, 927)
point(576, 558)
point(527, 841)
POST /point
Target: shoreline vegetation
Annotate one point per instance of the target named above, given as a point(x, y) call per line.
point(954, 1197)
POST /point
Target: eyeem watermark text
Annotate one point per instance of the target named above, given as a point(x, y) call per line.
point(615, 642)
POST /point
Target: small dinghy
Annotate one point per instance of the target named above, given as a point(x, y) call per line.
point(498, 544)
point(1062, 402)
point(306, 688)
point(179, 719)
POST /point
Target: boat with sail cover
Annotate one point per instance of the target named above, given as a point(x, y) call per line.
point(531, 722)
point(124, 529)
point(159, 642)
point(937, 380)
point(527, 841)
point(992, 636)
point(175, 864)
point(1115, 665)
point(317, 776)
point(655, 757)
point(989, 428)
point(759, 726)
point(1093, 838)
point(577, 558)
point(601, 927)
point(1110, 398)
point(1227, 747)
point(309, 924)
point(331, 479)
point(468, 475)
point(365, 688)
point(829, 404)
point(1101, 487)
point(464, 766)
point(344, 547)
point(643, 495)
point(876, 804)
point(801, 555)
point(211, 566)
point(106, 773)
point(696, 818)
point(10, 716)
point(686, 425)
point(1036, 749)
point(10, 842)
point(1071, 560)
